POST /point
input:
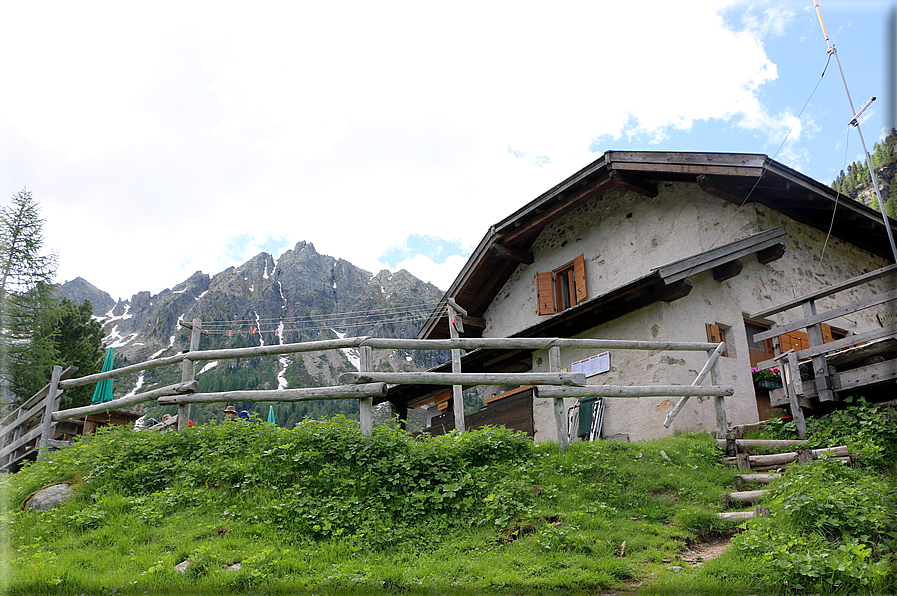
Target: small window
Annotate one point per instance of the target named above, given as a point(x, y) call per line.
point(562, 288)
point(717, 333)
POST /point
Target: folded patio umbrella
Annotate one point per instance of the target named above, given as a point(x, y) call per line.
point(103, 392)
point(271, 415)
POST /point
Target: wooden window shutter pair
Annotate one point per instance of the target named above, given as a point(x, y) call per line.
point(799, 340)
point(716, 335)
point(545, 287)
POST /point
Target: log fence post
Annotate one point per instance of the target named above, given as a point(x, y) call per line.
point(560, 421)
point(188, 372)
point(457, 393)
point(52, 403)
point(366, 404)
point(719, 401)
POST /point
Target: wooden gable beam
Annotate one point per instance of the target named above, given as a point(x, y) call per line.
point(675, 291)
point(633, 183)
point(473, 322)
point(563, 207)
point(727, 270)
point(716, 186)
point(771, 253)
point(511, 254)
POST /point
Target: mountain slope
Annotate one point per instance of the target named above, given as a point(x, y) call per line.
point(302, 296)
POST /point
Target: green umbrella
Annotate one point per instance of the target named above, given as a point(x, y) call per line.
point(103, 392)
point(271, 415)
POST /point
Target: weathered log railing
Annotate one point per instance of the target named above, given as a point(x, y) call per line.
point(367, 384)
point(826, 382)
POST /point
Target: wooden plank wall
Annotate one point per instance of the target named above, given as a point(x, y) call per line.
point(514, 412)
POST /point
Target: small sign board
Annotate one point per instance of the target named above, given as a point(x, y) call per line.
point(889, 317)
point(594, 365)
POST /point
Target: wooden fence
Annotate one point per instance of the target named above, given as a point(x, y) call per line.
point(363, 385)
point(827, 381)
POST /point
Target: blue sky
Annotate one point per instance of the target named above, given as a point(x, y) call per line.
point(392, 135)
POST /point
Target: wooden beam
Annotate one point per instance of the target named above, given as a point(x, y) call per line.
point(121, 402)
point(634, 183)
point(563, 207)
point(770, 253)
point(678, 290)
point(430, 378)
point(511, 254)
point(722, 254)
point(550, 391)
point(718, 187)
point(355, 391)
point(474, 322)
point(727, 270)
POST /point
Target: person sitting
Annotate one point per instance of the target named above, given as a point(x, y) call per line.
point(230, 412)
point(244, 415)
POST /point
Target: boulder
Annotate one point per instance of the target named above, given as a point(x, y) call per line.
point(48, 498)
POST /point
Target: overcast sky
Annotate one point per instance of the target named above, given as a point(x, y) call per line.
point(164, 138)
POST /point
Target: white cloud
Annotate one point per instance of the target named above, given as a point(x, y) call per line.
point(151, 137)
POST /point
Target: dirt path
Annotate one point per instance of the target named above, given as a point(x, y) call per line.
point(694, 556)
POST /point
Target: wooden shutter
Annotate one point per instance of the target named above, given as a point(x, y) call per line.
point(579, 273)
point(799, 340)
point(545, 293)
point(826, 333)
point(716, 335)
point(785, 343)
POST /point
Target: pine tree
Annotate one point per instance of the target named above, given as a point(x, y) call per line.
point(26, 276)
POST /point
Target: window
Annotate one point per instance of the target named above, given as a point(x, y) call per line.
point(799, 340)
point(717, 333)
point(758, 351)
point(562, 288)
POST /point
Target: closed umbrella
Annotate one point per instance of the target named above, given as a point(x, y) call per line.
point(103, 392)
point(271, 415)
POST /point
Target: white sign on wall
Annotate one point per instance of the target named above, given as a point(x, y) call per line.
point(597, 364)
point(887, 318)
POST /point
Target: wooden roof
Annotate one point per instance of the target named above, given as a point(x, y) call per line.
point(733, 177)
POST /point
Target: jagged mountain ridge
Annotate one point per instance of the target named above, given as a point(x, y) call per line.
point(300, 296)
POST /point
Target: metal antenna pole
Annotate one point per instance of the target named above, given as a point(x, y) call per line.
point(856, 123)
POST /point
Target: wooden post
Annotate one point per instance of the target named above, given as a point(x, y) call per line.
point(46, 433)
point(790, 370)
point(719, 401)
point(457, 393)
point(560, 421)
point(188, 373)
point(366, 404)
point(820, 367)
point(714, 356)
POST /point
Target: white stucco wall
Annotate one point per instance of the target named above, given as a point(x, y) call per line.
point(623, 236)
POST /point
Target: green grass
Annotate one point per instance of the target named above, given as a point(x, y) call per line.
point(321, 509)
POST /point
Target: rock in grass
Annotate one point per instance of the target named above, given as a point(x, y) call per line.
point(48, 498)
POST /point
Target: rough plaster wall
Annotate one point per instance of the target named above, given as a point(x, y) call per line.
point(623, 236)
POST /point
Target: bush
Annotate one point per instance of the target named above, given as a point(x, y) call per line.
point(826, 530)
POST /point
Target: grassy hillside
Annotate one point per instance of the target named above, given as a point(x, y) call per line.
point(321, 509)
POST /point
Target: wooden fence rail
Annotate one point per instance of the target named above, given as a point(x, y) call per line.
point(363, 385)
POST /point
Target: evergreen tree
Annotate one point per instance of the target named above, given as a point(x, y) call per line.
point(75, 339)
point(26, 275)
